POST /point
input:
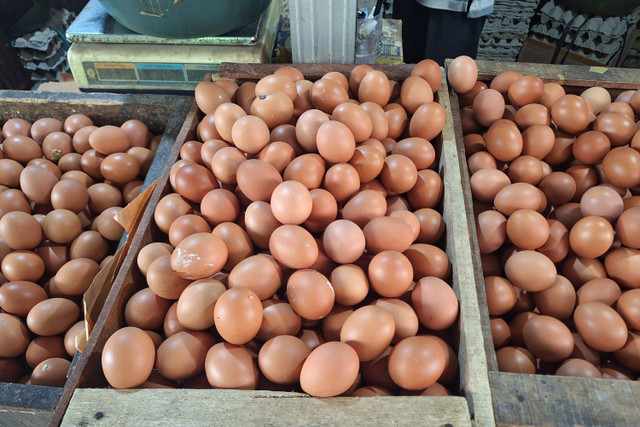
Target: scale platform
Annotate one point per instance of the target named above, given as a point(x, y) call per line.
point(105, 55)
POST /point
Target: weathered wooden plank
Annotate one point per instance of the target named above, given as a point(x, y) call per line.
point(234, 407)
point(232, 70)
point(568, 75)
point(563, 401)
point(473, 360)
point(13, 418)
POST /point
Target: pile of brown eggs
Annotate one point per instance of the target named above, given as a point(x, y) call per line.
point(61, 184)
point(303, 247)
point(555, 179)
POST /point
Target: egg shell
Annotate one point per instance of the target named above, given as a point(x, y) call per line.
point(343, 241)
point(435, 303)
point(491, 229)
point(182, 355)
point(627, 307)
point(548, 338)
point(627, 356)
point(530, 270)
point(231, 366)
point(462, 73)
point(21, 148)
point(14, 336)
point(342, 181)
point(281, 359)
point(51, 372)
point(22, 265)
point(146, 310)
point(329, 370)
point(291, 203)
point(199, 255)
point(417, 362)
point(273, 108)
point(527, 229)
point(20, 230)
point(427, 121)
point(516, 360)
point(488, 106)
point(238, 315)
point(571, 113)
point(163, 280)
point(43, 348)
point(600, 326)
point(52, 316)
point(310, 294)
point(278, 318)
point(128, 358)
point(76, 275)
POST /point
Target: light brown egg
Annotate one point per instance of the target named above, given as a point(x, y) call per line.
point(390, 273)
point(310, 294)
point(281, 359)
point(530, 270)
point(462, 74)
point(417, 362)
point(329, 370)
point(128, 358)
point(293, 246)
point(335, 141)
point(369, 330)
point(427, 121)
point(600, 326)
point(548, 338)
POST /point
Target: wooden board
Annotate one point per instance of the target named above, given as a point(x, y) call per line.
point(520, 399)
point(163, 114)
point(234, 407)
point(474, 407)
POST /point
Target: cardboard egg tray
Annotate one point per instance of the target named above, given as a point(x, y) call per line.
point(520, 399)
point(88, 399)
point(30, 404)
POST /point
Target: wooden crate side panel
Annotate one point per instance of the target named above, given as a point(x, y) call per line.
point(564, 401)
point(473, 360)
point(239, 407)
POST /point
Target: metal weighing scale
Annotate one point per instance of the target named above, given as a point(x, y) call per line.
point(105, 55)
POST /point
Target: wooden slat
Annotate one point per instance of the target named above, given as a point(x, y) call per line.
point(564, 401)
point(232, 70)
point(13, 418)
point(568, 75)
point(234, 407)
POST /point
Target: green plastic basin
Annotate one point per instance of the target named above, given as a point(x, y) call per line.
point(184, 18)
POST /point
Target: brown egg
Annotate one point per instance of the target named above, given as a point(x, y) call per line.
point(435, 303)
point(369, 330)
point(385, 233)
point(537, 141)
point(329, 370)
point(273, 108)
point(558, 300)
point(618, 127)
point(501, 295)
point(278, 154)
point(53, 316)
point(238, 315)
point(310, 294)
point(146, 310)
point(558, 187)
point(182, 355)
point(548, 338)
point(488, 106)
point(591, 237)
point(19, 297)
point(627, 307)
point(525, 90)
point(374, 87)
point(557, 245)
point(278, 318)
point(530, 270)
point(343, 241)
point(621, 265)
point(138, 132)
point(22, 265)
point(342, 181)
point(237, 240)
point(578, 368)
point(571, 113)
point(55, 145)
point(163, 280)
point(20, 230)
point(504, 140)
point(516, 359)
point(627, 356)
point(380, 122)
point(21, 149)
point(43, 348)
point(109, 139)
point(226, 115)
point(429, 70)
point(601, 201)
point(75, 276)
point(335, 142)
point(600, 326)
point(37, 183)
point(500, 332)
point(308, 169)
point(194, 181)
point(397, 120)
point(61, 226)
point(332, 323)
point(491, 229)
point(302, 102)
point(14, 336)
point(527, 229)
point(209, 96)
point(627, 230)
point(417, 362)
point(327, 94)
point(386, 265)
point(231, 366)
point(622, 167)
point(414, 92)
point(219, 205)
point(462, 74)
point(281, 359)
point(199, 255)
point(103, 196)
point(128, 358)
point(427, 121)
point(519, 195)
point(120, 168)
point(485, 184)
point(16, 126)
point(51, 372)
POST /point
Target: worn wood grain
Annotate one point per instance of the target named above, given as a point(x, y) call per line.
point(232, 70)
point(564, 401)
point(101, 407)
point(13, 418)
point(568, 75)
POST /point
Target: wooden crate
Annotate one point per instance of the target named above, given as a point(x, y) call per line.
point(520, 399)
point(93, 404)
point(34, 405)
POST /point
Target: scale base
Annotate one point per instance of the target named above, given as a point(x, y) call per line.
point(164, 67)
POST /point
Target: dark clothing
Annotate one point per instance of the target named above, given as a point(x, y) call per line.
point(436, 34)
